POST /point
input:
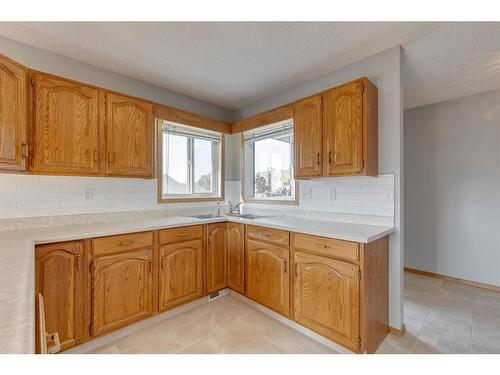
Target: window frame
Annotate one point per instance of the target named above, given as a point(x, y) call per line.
point(245, 199)
point(159, 170)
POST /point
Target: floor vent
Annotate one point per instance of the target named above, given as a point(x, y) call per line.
point(217, 294)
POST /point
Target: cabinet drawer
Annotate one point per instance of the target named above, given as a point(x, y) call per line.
point(276, 236)
point(328, 247)
point(181, 234)
point(113, 244)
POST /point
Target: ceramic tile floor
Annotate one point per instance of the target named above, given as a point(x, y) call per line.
point(446, 317)
point(440, 317)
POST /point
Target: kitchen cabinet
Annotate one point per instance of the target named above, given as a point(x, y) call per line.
point(308, 133)
point(129, 136)
point(59, 279)
point(13, 116)
point(181, 273)
point(121, 289)
point(67, 128)
point(336, 132)
point(327, 297)
point(236, 257)
point(216, 257)
point(268, 275)
point(350, 130)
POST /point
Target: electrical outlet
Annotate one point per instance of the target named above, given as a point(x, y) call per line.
point(88, 194)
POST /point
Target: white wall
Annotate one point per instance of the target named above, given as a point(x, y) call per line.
point(384, 70)
point(49, 62)
point(452, 188)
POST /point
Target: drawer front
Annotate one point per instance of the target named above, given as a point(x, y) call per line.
point(328, 247)
point(181, 234)
point(113, 244)
point(276, 236)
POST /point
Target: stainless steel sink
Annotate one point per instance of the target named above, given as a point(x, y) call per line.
point(241, 216)
point(207, 216)
point(248, 216)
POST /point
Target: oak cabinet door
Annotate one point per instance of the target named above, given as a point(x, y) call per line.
point(181, 273)
point(58, 270)
point(343, 129)
point(308, 137)
point(66, 127)
point(327, 297)
point(268, 275)
point(13, 115)
point(129, 136)
point(236, 257)
point(121, 289)
point(216, 257)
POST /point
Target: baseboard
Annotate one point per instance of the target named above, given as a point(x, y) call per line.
point(455, 279)
point(290, 323)
point(398, 331)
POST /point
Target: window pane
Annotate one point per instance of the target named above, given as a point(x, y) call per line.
point(175, 162)
point(203, 179)
point(273, 168)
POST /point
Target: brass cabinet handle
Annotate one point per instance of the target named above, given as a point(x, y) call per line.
point(150, 266)
point(126, 243)
point(318, 159)
point(162, 263)
point(209, 238)
point(329, 157)
point(266, 235)
point(96, 159)
point(285, 265)
point(25, 150)
point(110, 158)
point(78, 261)
point(322, 245)
point(182, 234)
point(296, 269)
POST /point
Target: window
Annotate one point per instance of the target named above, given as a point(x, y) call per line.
point(268, 163)
point(191, 161)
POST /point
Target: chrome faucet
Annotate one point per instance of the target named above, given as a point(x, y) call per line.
point(233, 208)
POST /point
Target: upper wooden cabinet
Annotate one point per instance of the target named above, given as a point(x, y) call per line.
point(59, 278)
point(327, 298)
point(67, 132)
point(216, 257)
point(13, 116)
point(268, 275)
point(236, 257)
point(336, 133)
point(129, 136)
point(308, 134)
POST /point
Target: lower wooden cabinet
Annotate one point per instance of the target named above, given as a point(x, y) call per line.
point(58, 270)
point(216, 257)
point(336, 288)
point(181, 273)
point(327, 297)
point(236, 257)
point(268, 275)
point(121, 289)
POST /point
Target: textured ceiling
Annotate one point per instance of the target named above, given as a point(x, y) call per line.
point(236, 64)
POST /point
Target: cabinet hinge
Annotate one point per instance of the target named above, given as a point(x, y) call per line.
point(91, 329)
point(32, 81)
point(359, 274)
point(359, 341)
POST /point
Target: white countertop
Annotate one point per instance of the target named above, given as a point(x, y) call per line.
point(17, 302)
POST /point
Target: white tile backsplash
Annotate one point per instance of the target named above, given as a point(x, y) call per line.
point(33, 196)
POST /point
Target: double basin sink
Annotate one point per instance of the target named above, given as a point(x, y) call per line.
point(215, 216)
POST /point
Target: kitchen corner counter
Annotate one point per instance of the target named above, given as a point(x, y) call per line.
point(17, 261)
